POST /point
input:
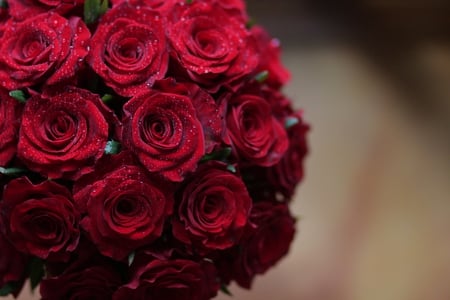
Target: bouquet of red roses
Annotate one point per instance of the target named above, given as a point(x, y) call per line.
point(146, 151)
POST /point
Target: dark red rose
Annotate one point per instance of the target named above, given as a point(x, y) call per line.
point(285, 175)
point(123, 207)
point(265, 243)
point(270, 52)
point(163, 130)
point(22, 9)
point(92, 282)
point(40, 219)
point(12, 265)
point(256, 136)
point(10, 114)
point(161, 279)
point(212, 46)
point(46, 49)
point(128, 49)
point(62, 136)
point(213, 209)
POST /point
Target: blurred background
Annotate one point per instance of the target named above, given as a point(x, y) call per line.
point(373, 77)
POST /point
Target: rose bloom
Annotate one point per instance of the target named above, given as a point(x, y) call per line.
point(211, 46)
point(92, 282)
point(40, 219)
point(12, 265)
point(62, 135)
point(170, 128)
point(162, 278)
point(285, 175)
point(256, 136)
point(128, 49)
point(213, 208)
point(270, 52)
point(22, 9)
point(46, 48)
point(10, 115)
point(123, 208)
point(266, 241)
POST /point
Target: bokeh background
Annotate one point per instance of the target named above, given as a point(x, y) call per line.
point(373, 77)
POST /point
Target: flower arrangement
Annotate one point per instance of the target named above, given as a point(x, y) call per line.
point(146, 149)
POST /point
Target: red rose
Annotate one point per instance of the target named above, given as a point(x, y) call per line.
point(264, 244)
point(12, 265)
point(178, 279)
point(46, 48)
point(41, 219)
point(212, 46)
point(123, 207)
point(4, 17)
point(269, 49)
point(285, 175)
point(62, 136)
point(205, 106)
point(164, 7)
point(256, 136)
point(10, 113)
point(128, 49)
point(213, 209)
point(22, 9)
point(92, 282)
point(164, 131)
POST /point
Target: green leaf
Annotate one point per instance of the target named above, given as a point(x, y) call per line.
point(12, 171)
point(221, 154)
point(112, 147)
point(290, 122)
point(231, 168)
point(107, 97)
point(262, 76)
point(131, 258)
point(8, 289)
point(37, 272)
point(250, 23)
point(189, 1)
point(19, 95)
point(225, 290)
point(3, 4)
point(93, 9)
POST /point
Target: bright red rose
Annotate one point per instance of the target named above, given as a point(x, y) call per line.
point(92, 282)
point(164, 7)
point(40, 219)
point(12, 265)
point(212, 46)
point(213, 209)
point(123, 207)
point(62, 136)
point(4, 17)
point(163, 130)
point(128, 49)
point(270, 52)
point(162, 279)
point(22, 9)
point(46, 49)
point(206, 109)
point(256, 136)
point(10, 114)
point(264, 244)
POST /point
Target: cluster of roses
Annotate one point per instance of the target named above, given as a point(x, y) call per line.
point(146, 151)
